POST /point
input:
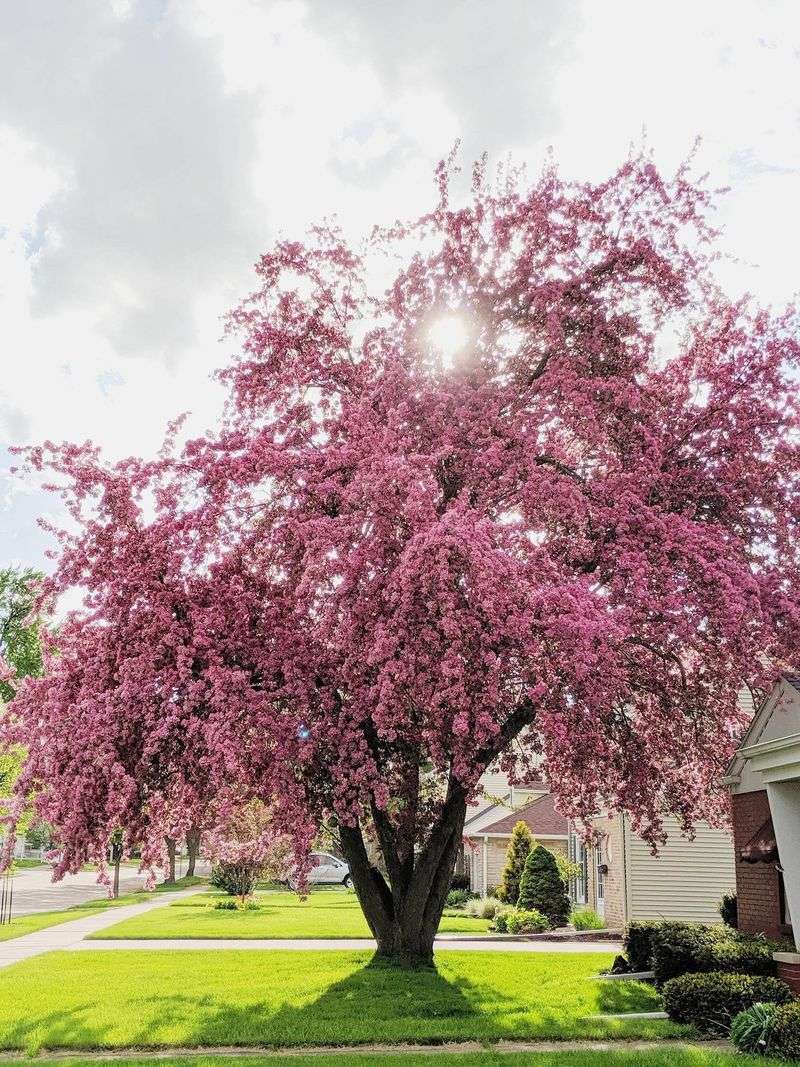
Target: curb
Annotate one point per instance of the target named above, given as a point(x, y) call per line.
point(249, 1051)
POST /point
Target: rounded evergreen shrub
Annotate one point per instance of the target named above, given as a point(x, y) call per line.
point(710, 1001)
point(522, 921)
point(784, 1034)
point(542, 888)
point(751, 1028)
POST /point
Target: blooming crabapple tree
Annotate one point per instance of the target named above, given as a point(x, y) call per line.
point(245, 848)
point(567, 544)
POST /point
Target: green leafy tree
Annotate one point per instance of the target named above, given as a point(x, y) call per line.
point(518, 850)
point(543, 889)
point(20, 657)
point(20, 648)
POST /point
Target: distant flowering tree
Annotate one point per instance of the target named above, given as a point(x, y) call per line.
point(245, 848)
point(538, 500)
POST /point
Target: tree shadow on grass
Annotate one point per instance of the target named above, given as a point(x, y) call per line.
point(55, 1030)
point(374, 1002)
point(377, 1002)
point(616, 996)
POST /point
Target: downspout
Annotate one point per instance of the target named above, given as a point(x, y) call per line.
point(626, 885)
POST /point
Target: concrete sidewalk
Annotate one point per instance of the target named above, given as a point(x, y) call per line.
point(69, 934)
point(449, 942)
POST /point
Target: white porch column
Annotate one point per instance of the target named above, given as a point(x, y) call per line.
point(784, 804)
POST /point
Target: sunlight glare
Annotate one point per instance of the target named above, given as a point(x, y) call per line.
point(448, 336)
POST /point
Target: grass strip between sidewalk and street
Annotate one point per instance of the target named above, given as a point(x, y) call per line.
point(670, 1056)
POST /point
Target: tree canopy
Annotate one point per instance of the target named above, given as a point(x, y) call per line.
point(20, 649)
point(568, 542)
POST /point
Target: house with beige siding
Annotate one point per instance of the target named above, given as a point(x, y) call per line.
point(623, 881)
point(488, 828)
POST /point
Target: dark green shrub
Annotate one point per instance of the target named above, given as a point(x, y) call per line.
point(690, 948)
point(784, 1034)
point(519, 848)
point(728, 910)
point(456, 898)
point(751, 1029)
point(459, 881)
point(542, 888)
point(638, 944)
point(710, 1001)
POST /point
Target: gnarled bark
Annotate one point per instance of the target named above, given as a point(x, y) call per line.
point(171, 854)
point(404, 913)
point(192, 848)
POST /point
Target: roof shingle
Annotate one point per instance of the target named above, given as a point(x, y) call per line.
point(540, 816)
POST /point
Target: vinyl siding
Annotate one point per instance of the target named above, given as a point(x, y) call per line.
point(496, 860)
point(685, 880)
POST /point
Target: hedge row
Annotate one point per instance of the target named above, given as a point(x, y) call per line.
point(710, 1001)
point(671, 949)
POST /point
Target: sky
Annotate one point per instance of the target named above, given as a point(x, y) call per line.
point(150, 150)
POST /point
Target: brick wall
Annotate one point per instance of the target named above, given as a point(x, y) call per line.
point(757, 884)
point(790, 974)
point(612, 830)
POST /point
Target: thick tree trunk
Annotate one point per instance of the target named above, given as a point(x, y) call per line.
point(171, 854)
point(116, 860)
point(193, 848)
point(404, 914)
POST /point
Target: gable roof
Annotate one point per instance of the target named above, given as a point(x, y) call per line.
point(540, 816)
point(790, 681)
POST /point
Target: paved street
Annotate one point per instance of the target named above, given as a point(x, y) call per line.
point(65, 936)
point(35, 891)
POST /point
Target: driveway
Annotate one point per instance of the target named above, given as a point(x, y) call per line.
point(34, 891)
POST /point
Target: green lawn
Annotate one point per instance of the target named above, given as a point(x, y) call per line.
point(23, 865)
point(161, 998)
point(670, 1057)
point(324, 915)
point(29, 924)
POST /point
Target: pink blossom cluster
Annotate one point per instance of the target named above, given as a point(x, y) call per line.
point(570, 546)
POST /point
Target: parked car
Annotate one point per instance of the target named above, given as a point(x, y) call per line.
point(326, 870)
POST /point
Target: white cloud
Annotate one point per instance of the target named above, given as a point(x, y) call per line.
point(152, 148)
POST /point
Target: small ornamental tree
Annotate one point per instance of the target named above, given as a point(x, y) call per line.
point(520, 845)
point(536, 500)
point(542, 887)
point(244, 848)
